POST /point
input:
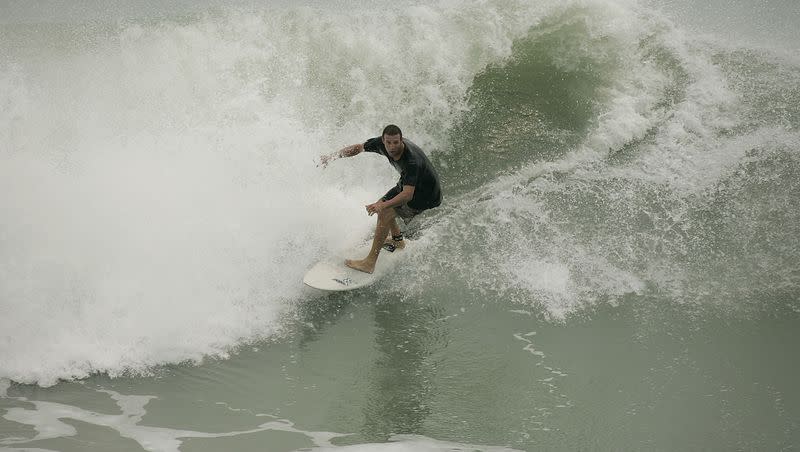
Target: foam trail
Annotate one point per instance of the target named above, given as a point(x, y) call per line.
point(414, 443)
point(46, 418)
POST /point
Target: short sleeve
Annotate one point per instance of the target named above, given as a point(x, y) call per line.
point(373, 145)
point(411, 174)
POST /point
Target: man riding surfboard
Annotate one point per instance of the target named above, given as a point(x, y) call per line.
point(417, 190)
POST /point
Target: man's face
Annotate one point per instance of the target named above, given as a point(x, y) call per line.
point(394, 145)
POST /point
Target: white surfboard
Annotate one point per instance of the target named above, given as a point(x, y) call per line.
point(332, 274)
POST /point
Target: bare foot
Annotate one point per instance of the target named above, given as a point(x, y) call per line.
point(362, 265)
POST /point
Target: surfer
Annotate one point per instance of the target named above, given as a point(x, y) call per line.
point(417, 190)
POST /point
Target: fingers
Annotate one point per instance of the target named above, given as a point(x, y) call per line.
point(374, 208)
point(324, 160)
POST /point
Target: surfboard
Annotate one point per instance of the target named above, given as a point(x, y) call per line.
point(333, 275)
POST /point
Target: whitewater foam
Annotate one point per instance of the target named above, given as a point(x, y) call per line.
point(160, 179)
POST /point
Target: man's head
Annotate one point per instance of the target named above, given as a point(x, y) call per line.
point(392, 139)
point(392, 129)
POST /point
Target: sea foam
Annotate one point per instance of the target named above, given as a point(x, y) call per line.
point(162, 194)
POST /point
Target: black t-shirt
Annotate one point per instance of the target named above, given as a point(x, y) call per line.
point(415, 169)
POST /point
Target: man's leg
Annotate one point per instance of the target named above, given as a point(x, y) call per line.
point(395, 231)
point(395, 228)
point(386, 221)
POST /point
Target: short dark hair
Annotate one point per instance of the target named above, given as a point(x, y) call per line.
point(392, 129)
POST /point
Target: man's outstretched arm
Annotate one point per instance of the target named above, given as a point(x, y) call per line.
point(349, 151)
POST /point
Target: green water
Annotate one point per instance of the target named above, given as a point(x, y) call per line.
point(644, 375)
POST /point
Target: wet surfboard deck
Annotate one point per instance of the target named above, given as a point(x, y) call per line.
point(332, 274)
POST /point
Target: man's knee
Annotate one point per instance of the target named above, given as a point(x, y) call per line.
point(387, 214)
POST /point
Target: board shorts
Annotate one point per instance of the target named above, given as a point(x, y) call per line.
point(406, 212)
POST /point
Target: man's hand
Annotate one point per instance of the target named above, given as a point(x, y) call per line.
point(325, 159)
point(375, 207)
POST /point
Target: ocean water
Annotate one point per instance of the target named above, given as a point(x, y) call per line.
point(616, 265)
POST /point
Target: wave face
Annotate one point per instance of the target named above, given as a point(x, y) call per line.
point(161, 197)
point(619, 155)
